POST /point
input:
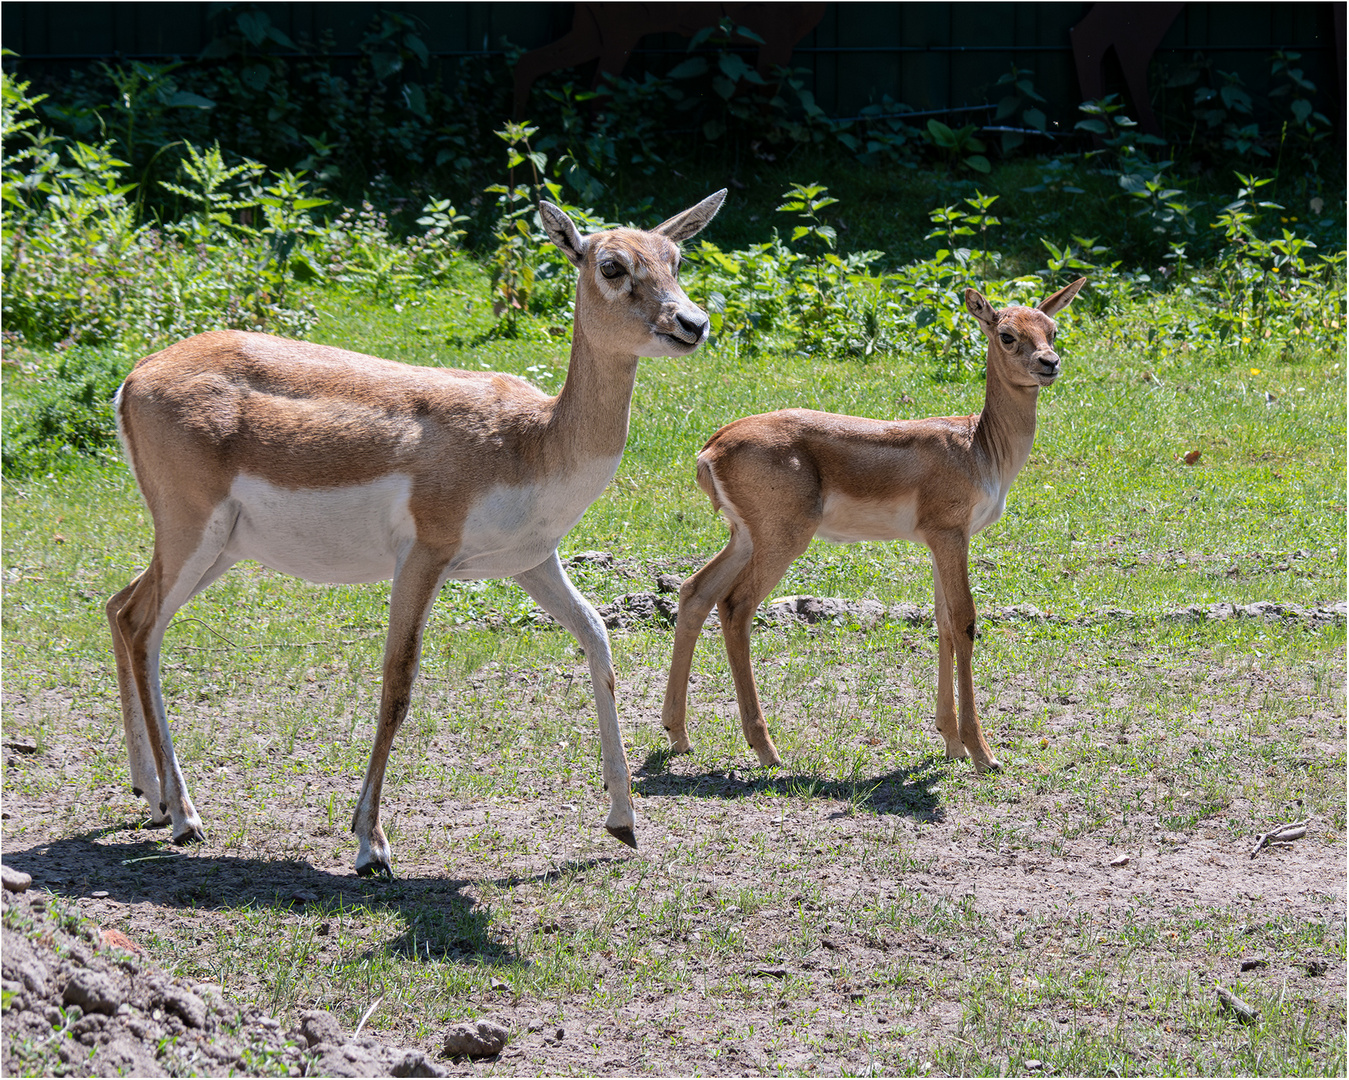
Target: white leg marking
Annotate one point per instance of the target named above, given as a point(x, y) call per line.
point(553, 591)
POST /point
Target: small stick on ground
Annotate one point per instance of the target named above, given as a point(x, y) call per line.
point(1244, 1012)
point(1283, 834)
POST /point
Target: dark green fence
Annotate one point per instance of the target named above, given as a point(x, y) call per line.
point(927, 56)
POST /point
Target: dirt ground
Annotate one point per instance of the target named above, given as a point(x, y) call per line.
point(117, 878)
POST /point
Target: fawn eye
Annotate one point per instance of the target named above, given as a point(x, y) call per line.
point(1007, 339)
point(611, 269)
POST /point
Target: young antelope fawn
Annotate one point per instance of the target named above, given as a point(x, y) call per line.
point(784, 477)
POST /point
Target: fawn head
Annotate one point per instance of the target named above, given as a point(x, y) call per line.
point(1021, 339)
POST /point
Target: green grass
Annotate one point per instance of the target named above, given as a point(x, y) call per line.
point(915, 917)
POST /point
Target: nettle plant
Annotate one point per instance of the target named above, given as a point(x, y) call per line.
point(931, 291)
point(1268, 286)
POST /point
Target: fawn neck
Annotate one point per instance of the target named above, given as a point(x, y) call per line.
point(1005, 429)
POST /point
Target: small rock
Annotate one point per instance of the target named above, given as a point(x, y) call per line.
point(92, 991)
point(500, 984)
point(351, 1059)
point(535, 1025)
point(1123, 860)
point(414, 1063)
point(770, 972)
point(15, 881)
point(190, 1008)
point(320, 1026)
point(304, 896)
point(591, 558)
point(482, 1038)
point(561, 1034)
point(1034, 1063)
point(1254, 962)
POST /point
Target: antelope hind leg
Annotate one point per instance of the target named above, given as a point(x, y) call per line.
point(697, 596)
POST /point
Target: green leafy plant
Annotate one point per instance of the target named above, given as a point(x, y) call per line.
point(1121, 146)
point(1020, 101)
point(217, 192)
point(517, 239)
point(67, 415)
point(958, 146)
point(954, 222)
point(1160, 203)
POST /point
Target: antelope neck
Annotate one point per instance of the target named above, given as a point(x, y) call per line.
point(1005, 429)
point(596, 400)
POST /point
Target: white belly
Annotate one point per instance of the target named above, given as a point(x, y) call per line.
point(342, 535)
point(511, 529)
point(847, 520)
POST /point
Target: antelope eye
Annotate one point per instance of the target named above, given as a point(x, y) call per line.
point(612, 269)
point(1007, 339)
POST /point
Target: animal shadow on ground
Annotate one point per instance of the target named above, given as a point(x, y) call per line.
point(907, 791)
point(443, 920)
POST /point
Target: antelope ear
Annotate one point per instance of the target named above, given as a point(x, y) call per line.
point(562, 231)
point(1052, 305)
point(693, 220)
point(982, 310)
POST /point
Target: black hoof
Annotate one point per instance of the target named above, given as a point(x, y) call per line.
point(192, 836)
point(378, 871)
point(625, 834)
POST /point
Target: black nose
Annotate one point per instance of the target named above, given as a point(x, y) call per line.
point(692, 325)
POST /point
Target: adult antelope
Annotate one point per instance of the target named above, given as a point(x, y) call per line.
point(339, 467)
point(781, 478)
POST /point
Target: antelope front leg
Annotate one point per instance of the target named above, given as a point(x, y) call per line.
point(553, 591)
point(415, 585)
point(947, 724)
point(950, 555)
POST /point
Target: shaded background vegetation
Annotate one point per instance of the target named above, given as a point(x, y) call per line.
point(150, 197)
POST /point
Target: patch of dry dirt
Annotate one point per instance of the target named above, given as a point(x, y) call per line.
point(118, 878)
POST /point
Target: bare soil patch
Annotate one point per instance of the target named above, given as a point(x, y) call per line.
point(879, 921)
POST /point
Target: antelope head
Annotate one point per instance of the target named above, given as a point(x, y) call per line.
point(1021, 339)
point(629, 294)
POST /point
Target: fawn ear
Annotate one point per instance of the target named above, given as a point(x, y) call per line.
point(562, 231)
point(693, 220)
point(982, 310)
point(1052, 305)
